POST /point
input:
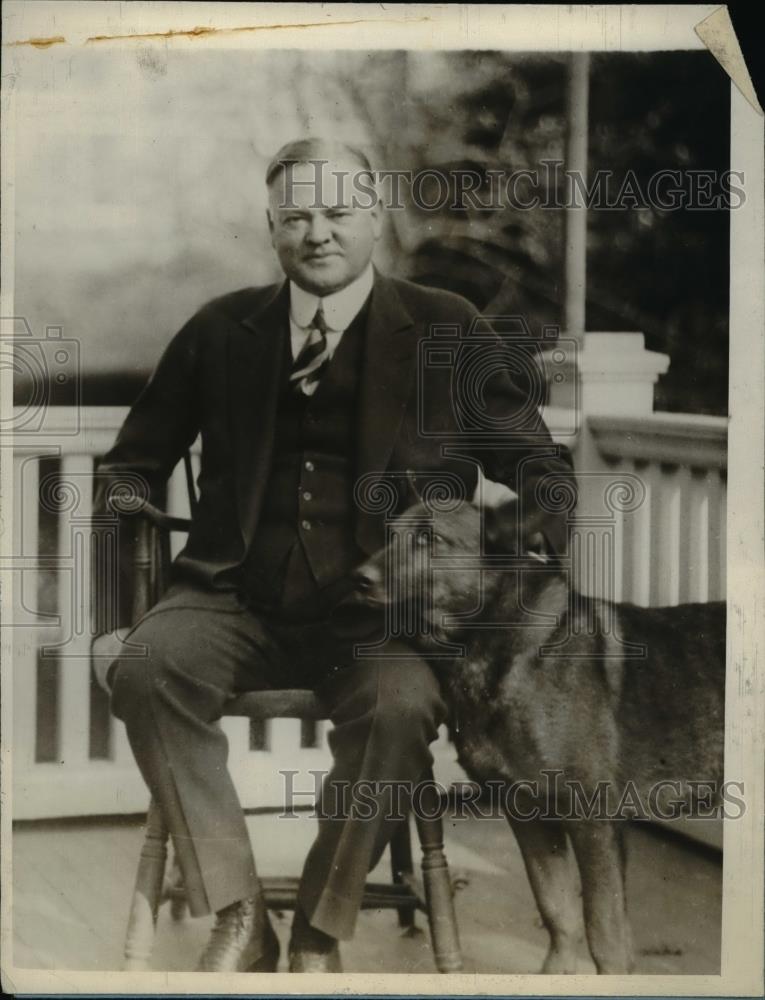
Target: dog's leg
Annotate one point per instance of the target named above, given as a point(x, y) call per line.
point(598, 849)
point(550, 867)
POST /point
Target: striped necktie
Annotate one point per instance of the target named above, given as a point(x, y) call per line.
point(313, 357)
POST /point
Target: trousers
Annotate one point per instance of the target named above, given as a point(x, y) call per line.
point(190, 655)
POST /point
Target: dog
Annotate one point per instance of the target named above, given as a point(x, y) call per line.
point(564, 701)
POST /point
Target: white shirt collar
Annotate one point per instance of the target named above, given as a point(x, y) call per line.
point(340, 308)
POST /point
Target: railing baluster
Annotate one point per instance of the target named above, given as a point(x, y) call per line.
point(723, 540)
point(238, 735)
point(616, 572)
point(121, 752)
point(717, 506)
point(698, 538)
point(666, 538)
point(639, 551)
point(74, 607)
point(25, 547)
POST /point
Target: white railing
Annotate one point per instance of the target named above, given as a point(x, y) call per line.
point(669, 549)
point(52, 683)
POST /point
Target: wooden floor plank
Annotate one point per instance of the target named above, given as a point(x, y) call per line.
point(72, 888)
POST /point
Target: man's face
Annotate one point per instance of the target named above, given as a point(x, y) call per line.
point(322, 249)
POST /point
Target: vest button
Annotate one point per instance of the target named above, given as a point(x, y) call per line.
point(309, 466)
point(308, 495)
point(305, 525)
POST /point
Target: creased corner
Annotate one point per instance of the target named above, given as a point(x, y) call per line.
point(716, 32)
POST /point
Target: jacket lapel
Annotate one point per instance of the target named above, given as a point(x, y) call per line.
point(256, 357)
point(387, 380)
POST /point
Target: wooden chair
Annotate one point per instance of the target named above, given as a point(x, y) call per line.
point(434, 896)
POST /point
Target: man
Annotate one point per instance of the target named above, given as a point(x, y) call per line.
point(298, 391)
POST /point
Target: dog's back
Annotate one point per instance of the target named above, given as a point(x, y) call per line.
point(670, 710)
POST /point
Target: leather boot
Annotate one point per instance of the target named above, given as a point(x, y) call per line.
point(242, 940)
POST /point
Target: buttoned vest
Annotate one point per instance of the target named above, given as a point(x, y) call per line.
point(304, 539)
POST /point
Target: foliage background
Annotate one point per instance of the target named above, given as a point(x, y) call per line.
point(139, 191)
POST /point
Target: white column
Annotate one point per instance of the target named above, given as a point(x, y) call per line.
point(577, 115)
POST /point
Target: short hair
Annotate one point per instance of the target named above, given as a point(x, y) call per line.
point(313, 148)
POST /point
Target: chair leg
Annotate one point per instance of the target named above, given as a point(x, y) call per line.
point(435, 875)
point(176, 891)
point(402, 869)
point(139, 938)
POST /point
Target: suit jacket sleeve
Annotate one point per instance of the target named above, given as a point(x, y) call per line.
point(160, 427)
point(162, 423)
point(525, 452)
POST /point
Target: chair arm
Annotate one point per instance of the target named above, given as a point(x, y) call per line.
point(165, 522)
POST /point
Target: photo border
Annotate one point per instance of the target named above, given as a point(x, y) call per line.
point(544, 28)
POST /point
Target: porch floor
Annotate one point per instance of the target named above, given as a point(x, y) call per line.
point(72, 884)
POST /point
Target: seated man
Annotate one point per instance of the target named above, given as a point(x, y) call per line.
point(298, 390)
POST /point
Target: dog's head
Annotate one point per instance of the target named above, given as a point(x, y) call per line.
point(442, 559)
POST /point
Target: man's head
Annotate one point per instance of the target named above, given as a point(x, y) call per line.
point(323, 214)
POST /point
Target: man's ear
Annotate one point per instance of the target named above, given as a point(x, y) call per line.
point(270, 220)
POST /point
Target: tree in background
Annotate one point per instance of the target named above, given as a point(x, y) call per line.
point(146, 197)
point(662, 272)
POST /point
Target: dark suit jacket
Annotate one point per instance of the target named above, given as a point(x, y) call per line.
point(219, 376)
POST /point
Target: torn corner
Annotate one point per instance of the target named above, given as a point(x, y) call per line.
point(717, 33)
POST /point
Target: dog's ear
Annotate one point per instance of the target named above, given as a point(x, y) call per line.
point(499, 507)
point(500, 527)
point(490, 494)
point(545, 534)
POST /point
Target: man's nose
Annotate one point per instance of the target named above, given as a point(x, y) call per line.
point(318, 230)
point(367, 577)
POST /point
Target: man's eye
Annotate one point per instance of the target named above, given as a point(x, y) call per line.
point(340, 213)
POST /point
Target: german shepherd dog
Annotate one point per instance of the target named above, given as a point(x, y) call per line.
point(604, 697)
